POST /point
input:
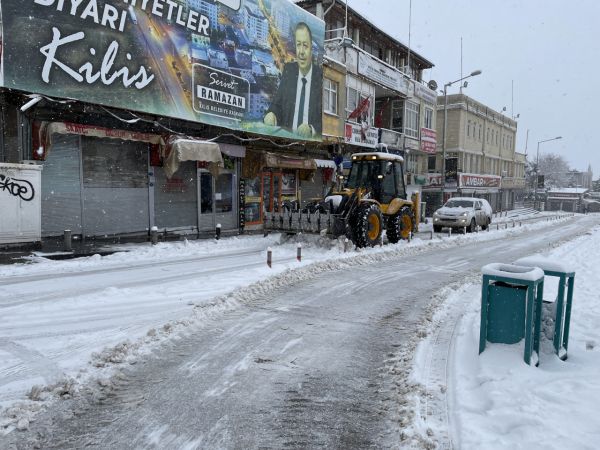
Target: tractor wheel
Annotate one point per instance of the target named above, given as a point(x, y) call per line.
point(368, 225)
point(400, 225)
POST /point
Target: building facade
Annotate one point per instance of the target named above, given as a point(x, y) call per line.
point(107, 166)
point(387, 104)
point(481, 156)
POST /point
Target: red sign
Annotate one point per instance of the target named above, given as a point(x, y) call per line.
point(428, 140)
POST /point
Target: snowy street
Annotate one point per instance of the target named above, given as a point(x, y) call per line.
point(320, 356)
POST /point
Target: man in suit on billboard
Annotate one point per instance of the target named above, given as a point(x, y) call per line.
point(297, 105)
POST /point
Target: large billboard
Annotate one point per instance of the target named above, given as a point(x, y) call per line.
point(251, 65)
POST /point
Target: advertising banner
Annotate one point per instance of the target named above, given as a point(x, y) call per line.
point(251, 65)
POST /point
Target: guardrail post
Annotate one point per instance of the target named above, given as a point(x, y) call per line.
point(269, 257)
point(67, 241)
point(218, 232)
point(154, 235)
point(449, 232)
point(299, 252)
point(345, 245)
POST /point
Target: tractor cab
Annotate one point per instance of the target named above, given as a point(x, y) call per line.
point(380, 174)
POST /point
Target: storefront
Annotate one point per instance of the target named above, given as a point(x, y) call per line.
point(274, 182)
point(101, 182)
point(487, 187)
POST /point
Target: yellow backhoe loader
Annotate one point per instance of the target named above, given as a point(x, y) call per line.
point(372, 200)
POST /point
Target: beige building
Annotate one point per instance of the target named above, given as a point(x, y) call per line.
point(481, 156)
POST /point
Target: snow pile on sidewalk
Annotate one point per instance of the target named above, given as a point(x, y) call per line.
point(494, 400)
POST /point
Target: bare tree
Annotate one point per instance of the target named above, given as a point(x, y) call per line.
point(555, 169)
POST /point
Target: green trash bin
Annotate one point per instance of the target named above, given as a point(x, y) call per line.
point(564, 298)
point(511, 304)
point(506, 313)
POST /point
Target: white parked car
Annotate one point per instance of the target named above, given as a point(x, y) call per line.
point(463, 212)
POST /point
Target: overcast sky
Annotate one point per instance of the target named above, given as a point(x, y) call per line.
point(550, 49)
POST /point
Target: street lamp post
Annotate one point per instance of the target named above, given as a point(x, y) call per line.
point(537, 168)
point(446, 86)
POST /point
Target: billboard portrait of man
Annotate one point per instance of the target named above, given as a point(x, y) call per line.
point(297, 104)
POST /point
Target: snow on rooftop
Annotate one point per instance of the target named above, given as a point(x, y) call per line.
point(567, 190)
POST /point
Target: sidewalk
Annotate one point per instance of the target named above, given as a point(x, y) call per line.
point(54, 247)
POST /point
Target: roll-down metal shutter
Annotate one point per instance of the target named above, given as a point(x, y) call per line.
point(115, 186)
point(176, 199)
point(61, 187)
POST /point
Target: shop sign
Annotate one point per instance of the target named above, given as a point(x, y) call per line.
point(283, 162)
point(411, 144)
point(468, 180)
point(428, 140)
point(173, 58)
point(426, 94)
point(391, 138)
point(363, 136)
point(382, 74)
point(242, 202)
point(434, 180)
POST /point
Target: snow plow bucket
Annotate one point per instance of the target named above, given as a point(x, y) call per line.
point(299, 222)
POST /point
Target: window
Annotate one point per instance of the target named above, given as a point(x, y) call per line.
point(330, 96)
point(428, 118)
point(411, 123)
point(351, 100)
point(412, 163)
point(480, 132)
point(469, 129)
point(431, 164)
point(398, 116)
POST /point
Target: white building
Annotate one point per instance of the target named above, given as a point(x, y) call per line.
point(207, 8)
point(257, 25)
point(282, 21)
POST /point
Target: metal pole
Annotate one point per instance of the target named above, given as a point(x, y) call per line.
point(443, 181)
point(537, 165)
point(67, 241)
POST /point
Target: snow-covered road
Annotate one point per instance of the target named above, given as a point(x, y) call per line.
point(323, 358)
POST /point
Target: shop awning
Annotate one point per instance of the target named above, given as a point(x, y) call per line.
point(183, 149)
point(325, 163)
point(235, 151)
